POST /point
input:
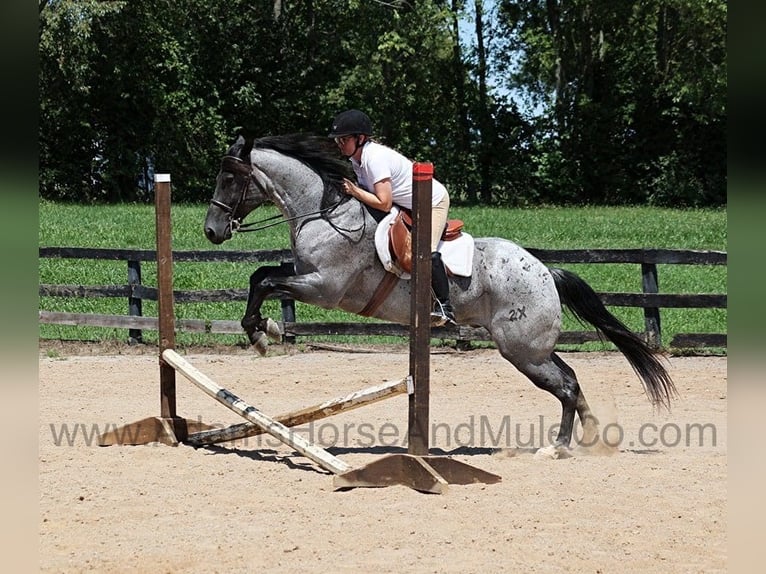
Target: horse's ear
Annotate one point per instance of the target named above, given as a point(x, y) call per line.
point(247, 146)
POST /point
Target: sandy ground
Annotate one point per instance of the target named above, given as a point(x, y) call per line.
point(655, 502)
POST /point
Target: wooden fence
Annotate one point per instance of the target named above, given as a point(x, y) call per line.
point(650, 299)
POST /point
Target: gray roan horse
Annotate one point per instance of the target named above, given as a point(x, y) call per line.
point(510, 293)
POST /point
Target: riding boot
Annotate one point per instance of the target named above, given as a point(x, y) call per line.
point(442, 311)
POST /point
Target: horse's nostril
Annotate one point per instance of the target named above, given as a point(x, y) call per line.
point(209, 233)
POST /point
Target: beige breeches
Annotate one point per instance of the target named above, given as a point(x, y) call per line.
point(438, 220)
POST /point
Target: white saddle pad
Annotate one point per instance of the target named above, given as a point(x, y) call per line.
point(456, 254)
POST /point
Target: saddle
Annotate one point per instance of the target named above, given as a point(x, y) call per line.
point(400, 238)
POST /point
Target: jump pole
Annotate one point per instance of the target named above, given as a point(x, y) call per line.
point(319, 411)
point(417, 469)
point(252, 414)
point(168, 428)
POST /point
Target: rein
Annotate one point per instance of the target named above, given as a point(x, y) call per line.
point(243, 227)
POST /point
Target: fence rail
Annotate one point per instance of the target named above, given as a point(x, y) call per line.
point(650, 300)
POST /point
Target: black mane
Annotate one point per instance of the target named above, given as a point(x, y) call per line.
point(319, 153)
point(316, 152)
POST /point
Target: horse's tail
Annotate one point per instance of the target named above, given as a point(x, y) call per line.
point(584, 303)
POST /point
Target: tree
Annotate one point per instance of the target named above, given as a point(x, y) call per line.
point(622, 87)
point(628, 99)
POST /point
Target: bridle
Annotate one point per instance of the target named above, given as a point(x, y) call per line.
point(238, 167)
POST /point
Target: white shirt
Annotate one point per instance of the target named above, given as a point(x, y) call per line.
point(380, 162)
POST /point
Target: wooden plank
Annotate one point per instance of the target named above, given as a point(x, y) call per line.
point(223, 327)
point(46, 290)
point(642, 300)
point(108, 254)
point(665, 300)
point(145, 292)
point(104, 253)
point(664, 256)
point(695, 340)
point(260, 256)
point(97, 320)
point(322, 410)
point(255, 416)
point(132, 322)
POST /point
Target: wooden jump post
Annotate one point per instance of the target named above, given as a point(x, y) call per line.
point(417, 469)
point(168, 428)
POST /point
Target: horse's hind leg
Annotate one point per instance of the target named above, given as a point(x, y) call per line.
point(588, 420)
point(558, 378)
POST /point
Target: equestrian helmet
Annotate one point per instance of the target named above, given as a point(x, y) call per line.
point(351, 122)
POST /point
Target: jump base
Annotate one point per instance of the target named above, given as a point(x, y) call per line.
point(169, 431)
point(430, 474)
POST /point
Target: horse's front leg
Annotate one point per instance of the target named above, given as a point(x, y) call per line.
point(314, 288)
point(261, 286)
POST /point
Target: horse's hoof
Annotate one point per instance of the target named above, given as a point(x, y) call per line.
point(272, 330)
point(260, 342)
point(552, 452)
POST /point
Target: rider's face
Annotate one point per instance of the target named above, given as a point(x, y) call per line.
point(346, 144)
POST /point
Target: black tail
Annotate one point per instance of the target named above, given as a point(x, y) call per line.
point(586, 306)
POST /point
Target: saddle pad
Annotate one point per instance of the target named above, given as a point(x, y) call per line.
point(457, 254)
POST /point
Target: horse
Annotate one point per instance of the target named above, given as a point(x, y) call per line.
point(510, 293)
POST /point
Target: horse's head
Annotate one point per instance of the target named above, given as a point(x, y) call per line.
point(301, 174)
point(236, 193)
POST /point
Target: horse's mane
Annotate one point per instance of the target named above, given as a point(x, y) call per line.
point(316, 152)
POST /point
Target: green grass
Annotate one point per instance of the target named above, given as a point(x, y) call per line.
point(132, 226)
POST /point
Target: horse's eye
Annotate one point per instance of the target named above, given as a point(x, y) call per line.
point(227, 178)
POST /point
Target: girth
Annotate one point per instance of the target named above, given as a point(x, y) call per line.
point(381, 293)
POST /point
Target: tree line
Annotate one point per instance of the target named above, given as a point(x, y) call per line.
point(516, 103)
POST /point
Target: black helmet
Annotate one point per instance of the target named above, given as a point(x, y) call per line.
point(350, 122)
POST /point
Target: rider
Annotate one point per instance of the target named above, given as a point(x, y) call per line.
point(385, 178)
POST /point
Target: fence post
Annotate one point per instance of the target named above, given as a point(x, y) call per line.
point(135, 304)
point(288, 316)
point(288, 305)
point(651, 314)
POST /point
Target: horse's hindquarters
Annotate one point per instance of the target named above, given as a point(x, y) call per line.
point(513, 295)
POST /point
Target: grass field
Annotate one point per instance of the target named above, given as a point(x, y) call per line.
point(132, 226)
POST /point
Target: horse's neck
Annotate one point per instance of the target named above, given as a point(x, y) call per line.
point(297, 191)
point(294, 188)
